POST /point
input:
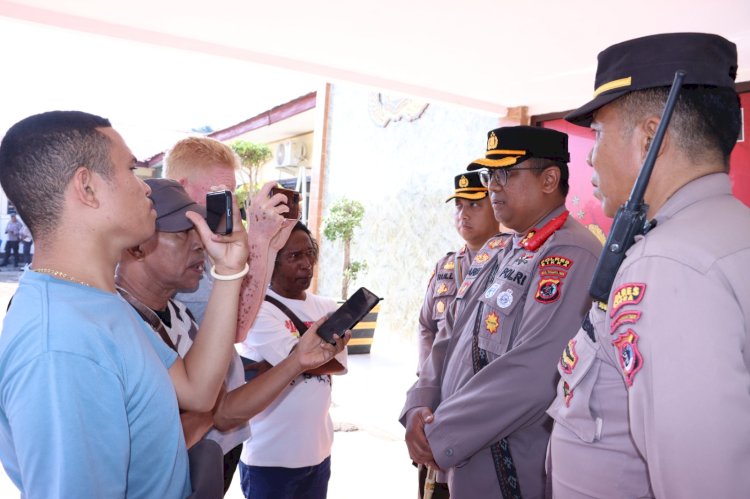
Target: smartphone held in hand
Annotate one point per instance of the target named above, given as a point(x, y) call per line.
point(292, 201)
point(219, 212)
point(348, 315)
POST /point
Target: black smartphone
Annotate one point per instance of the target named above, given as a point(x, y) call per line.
point(349, 314)
point(219, 212)
point(292, 201)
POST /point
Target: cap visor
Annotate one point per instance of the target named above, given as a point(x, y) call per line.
point(585, 114)
point(177, 221)
point(468, 195)
point(493, 163)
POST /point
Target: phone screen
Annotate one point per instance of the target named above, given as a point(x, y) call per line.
point(292, 201)
point(349, 314)
point(219, 212)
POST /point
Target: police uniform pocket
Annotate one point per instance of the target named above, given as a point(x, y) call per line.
point(442, 295)
point(579, 370)
point(499, 303)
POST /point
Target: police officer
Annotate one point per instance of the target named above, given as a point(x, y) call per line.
point(477, 410)
point(654, 398)
point(475, 223)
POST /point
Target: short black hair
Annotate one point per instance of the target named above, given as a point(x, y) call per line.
point(540, 164)
point(40, 154)
point(299, 226)
point(706, 121)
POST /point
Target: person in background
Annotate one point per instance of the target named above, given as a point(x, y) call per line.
point(289, 453)
point(13, 234)
point(199, 164)
point(475, 223)
point(26, 242)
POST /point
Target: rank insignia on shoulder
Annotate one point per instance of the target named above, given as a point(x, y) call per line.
point(496, 243)
point(627, 317)
point(567, 393)
point(505, 299)
point(442, 289)
point(627, 294)
point(492, 322)
point(440, 306)
point(569, 358)
point(629, 355)
point(449, 265)
point(548, 290)
point(481, 257)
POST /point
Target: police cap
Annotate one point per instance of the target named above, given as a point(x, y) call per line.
point(651, 61)
point(510, 145)
point(468, 186)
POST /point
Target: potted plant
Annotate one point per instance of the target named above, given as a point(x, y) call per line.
point(344, 217)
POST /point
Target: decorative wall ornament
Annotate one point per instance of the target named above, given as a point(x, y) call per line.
point(384, 109)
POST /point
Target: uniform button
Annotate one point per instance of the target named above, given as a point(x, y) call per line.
point(448, 452)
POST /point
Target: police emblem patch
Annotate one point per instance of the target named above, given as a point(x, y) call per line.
point(627, 317)
point(491, 290)
point(567, 393)
point(569, 358)
point(492, 322)
point(442, 289)
point(449, 265)
point(548, 290)
point(627, 294)
point(440, 307)
point(505, 299)
point(629, 355)
point(481, 257)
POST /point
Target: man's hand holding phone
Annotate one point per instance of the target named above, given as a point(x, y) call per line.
point(228, 252)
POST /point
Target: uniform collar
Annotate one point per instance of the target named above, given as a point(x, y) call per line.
point(715, 184)
point(517, 238)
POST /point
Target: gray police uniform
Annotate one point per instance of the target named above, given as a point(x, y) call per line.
point(522, 306)
point(448, 275)
point(678, 327)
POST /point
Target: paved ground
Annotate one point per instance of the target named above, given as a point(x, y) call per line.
point(369, 457)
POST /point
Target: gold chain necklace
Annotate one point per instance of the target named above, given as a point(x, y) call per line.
point(61, 275)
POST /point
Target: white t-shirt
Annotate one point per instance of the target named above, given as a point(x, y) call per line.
point(295, 430)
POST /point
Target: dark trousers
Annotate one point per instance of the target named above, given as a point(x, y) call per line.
point(26, 251)
point(273, 482)
point(11, 247)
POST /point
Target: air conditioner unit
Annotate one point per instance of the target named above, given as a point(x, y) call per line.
point(290, 153)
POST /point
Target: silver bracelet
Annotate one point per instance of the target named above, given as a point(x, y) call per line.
point(239, 275)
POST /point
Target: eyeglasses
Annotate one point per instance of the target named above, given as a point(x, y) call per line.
point(500, 175)
point(296, 256)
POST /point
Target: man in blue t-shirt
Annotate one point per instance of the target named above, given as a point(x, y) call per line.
point(89, 395)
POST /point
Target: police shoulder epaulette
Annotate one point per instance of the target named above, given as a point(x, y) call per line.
point(535, 238)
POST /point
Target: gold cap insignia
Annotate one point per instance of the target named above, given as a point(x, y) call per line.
point(492, 141)
point(463, 182)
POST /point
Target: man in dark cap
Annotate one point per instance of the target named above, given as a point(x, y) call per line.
point(475, 222)
point(477, 410)
point(654, 397)
point(148, 277)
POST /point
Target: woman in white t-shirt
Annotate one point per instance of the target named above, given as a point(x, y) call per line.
point(288, 454)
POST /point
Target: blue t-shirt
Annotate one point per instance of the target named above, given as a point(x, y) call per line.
point(87, 407)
